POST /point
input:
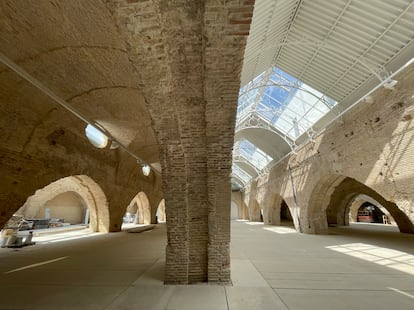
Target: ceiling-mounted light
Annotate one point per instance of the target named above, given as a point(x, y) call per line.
point(96, 137)
point(146, 170)
point(389, 84)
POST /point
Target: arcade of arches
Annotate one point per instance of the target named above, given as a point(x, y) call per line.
point(162, 83)
point(365, 158)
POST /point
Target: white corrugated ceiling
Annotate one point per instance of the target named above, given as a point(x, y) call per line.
point(333, 46)
point(341, 48)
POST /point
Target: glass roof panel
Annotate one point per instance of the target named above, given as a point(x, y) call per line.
point(253, 154)
point(285, 102)
point(235, 186)
point(240, 173)
point(250, 93)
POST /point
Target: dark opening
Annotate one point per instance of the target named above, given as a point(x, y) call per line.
point(369, 213)
point(285, 216)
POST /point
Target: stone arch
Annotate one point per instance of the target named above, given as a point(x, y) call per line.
point(234, 210)
point(86, 189)
point(141, 206)
point(255, 211)
point(242, 210)
point(161, 216)
point(374, 215)
point(276, 211)
point(69, 206)
point(357, 202)
point(272, 211)
point(315, 218)
point(238, 210)
point(286, 217)
point(330, 200)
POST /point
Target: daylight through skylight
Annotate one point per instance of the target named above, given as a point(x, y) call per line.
point(285, 102)
point(278, 102)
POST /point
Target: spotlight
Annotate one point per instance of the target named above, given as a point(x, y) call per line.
point(389, 84)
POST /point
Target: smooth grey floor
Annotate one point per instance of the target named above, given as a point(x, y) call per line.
point(357, 267)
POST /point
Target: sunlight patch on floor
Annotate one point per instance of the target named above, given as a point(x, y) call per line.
point(254, 223)
point(281, 230)
point(382, 256)
point(401, 292)
point(53, 238)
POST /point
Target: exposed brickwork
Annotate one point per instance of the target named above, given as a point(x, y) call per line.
point(372, 145)
point(224, 49)
point(163, 77)
point(189, 59)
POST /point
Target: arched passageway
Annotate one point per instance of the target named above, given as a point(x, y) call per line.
point(68, 206)
point(139, 209)
point(278, 213)
point(255, 213)
point(368, 213)
point(359, 201)
point(335, 196)
point(160, 215)
point(73, 199)
point(237, 201)
point(234, 213)
point(286, 218)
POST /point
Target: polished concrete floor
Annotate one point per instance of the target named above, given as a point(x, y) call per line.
point(357, 267)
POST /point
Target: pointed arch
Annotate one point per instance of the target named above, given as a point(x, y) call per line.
point(332, 196)
point(85, 188)
point(141, 206)
point(238, 201)
point(278, 211)
point(357, 202)
point(255, 212)
point(161, 216)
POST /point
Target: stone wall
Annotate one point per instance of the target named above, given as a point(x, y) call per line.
point(75, 50)
point(371, 145)
point(88, 193)
point(67, 206)
point(242, 211)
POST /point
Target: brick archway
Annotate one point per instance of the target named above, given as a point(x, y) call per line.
point(140, 206)
point(87, 190)
point(161, 216)
point(358, 201)
point(330, 200)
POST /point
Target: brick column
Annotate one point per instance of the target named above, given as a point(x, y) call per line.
point(188, 56)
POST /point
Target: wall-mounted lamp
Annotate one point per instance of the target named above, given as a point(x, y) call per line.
point(146, 170)
point(96, 137)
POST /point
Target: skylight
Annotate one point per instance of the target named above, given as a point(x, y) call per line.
point(252, 153)
point(241, 174)
point(285, 102)
point(278, 102)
